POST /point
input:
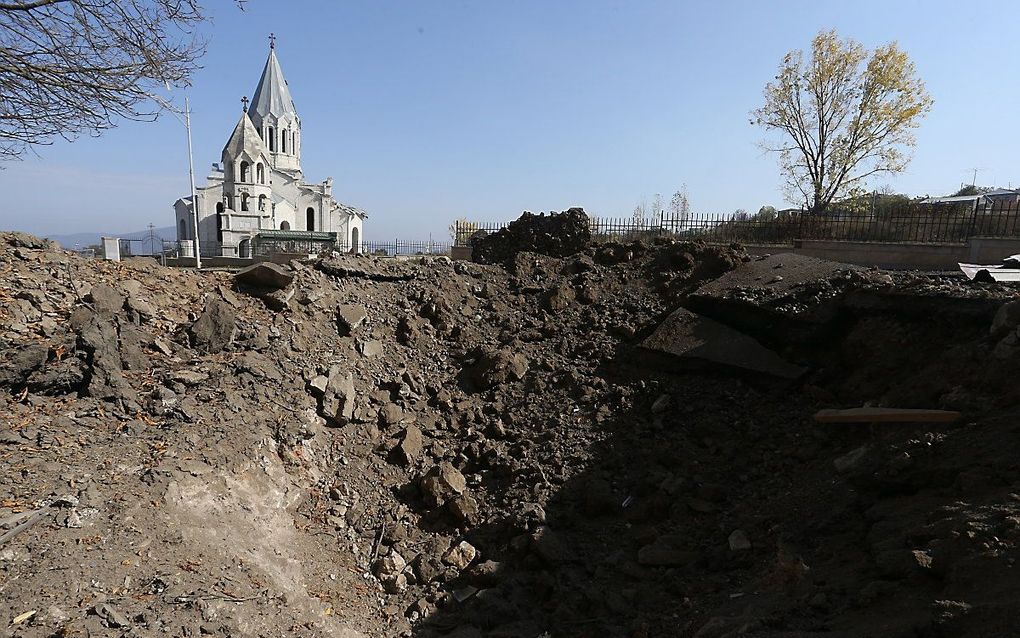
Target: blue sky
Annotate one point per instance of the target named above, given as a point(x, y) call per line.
point(427, 111)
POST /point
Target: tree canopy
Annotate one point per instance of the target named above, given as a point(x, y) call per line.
point(73, 67)
point(840, 117)
point(971, 189)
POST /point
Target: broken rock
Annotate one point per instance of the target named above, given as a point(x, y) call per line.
point(338, 399)
point(390, 572)
point(442, 483)
point(215, 327)
point(265, 275)
point(370, 348)
point(559, 298)
point(349, 317)
point(391, 414)
point(496, 367)
point(106, 299)
point(460, 555)
point(694, 338)
point(317, 385)
point(408, 451)
point(464, 509)
point(17, 365)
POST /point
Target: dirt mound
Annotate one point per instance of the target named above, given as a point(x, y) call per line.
point(355, 446)
point(554, 235)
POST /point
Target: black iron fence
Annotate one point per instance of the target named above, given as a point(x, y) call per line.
point(603, 229)
point(911, 222)
point(400, 248)
point(298, 243)
point(269, 242)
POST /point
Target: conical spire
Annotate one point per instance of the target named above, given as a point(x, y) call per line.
point(272, 97)
point(244, 138)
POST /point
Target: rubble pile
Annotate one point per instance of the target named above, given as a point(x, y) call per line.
point(553, 235)
point(616, 441)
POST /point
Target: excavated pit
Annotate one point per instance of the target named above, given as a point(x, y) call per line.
point(354, 446)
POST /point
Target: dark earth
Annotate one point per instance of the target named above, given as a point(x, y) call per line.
point(355, 446)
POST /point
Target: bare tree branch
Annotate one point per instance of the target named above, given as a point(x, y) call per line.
point(77, 67)
point(27, 6)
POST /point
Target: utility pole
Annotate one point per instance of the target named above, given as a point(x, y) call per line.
point(194, 197)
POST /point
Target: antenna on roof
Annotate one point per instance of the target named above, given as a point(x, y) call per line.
point(973, 179)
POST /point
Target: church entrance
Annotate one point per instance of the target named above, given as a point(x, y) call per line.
point(310, 219)
point(355, 247)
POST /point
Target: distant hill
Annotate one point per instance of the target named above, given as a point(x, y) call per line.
point(81, 240)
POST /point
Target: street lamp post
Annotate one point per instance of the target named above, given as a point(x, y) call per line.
point(194, 197)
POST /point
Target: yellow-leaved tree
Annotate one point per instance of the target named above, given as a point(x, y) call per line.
point(840, 117)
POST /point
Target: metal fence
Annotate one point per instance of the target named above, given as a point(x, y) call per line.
point(603, 229)
point(399, 247)
point(269, 242)
point(311, 246)
point(185, 247)
point(910, 222)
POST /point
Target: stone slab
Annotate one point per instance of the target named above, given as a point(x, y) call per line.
point(690, 336)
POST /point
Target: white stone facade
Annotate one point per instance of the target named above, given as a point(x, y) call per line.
point(259, 186)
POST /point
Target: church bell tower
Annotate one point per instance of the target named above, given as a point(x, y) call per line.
point(273, 114)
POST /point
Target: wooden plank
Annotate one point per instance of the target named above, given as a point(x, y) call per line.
point(886, 415)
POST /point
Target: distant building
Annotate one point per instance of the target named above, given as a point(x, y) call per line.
point(258, 193)
point(994, 196)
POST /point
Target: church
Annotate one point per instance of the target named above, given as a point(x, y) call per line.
point(256, 200)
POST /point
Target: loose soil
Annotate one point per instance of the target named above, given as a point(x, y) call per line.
point(352, 446)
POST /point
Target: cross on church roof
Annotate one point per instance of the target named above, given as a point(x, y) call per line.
point(272, 40)
point(244, 103)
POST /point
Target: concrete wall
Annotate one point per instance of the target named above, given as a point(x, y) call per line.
point(893, 256)
point(991, 250)
point(233, 262)
point(904, 256)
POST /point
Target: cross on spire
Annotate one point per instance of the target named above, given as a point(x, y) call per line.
point(244, 103)
point(272, 40)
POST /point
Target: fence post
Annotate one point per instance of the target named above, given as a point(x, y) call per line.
point(973, 221)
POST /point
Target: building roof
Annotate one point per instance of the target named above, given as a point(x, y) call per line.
point(272, 97)
point(979, 197)
point(351, 210)
point(244, 138)
point(296, 235)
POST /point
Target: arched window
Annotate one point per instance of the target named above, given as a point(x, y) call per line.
point(260, 173)
point(219, 207)
point(244, 201)
point(272, 139)
point(262, 201)
point(284, 225)
point(245, 172)
point(219, 228)
point(310, 219)
point(183, 232)
point(230, 202)
point(283, 141)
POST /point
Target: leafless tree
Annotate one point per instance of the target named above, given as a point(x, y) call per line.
point(74, 67)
